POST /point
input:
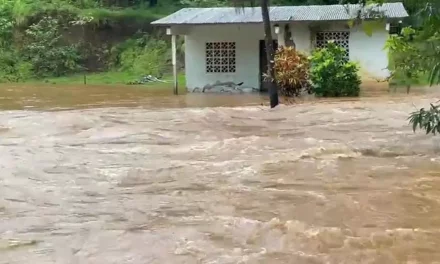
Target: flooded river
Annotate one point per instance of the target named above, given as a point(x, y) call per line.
point(119, 175)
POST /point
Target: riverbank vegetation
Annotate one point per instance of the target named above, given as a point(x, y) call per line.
point(55, 38)
point(418, 51)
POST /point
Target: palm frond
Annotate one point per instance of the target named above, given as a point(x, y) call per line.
point(434, 76)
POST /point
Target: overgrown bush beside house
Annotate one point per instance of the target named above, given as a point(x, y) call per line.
point(292, 71)
point(327, 72)
point(332, 75)
point(405, 60)
point(142, 56)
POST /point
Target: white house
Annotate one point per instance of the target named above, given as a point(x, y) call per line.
point(227, 44)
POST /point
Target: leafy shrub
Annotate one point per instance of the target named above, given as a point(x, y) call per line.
point(292, 71)
point(24, 70)
point(12, 68)
point(406, 63)
point(332, 75)
point(46, 52)
point(428, 120)
point(7, 66)
point(153, 58)
point(8, 57)
point(6, 28)
point(142, 56)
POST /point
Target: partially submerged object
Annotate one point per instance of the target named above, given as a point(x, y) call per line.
point(147, 79)
point(225, 87)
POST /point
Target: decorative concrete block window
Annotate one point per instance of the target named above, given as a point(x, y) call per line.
point(340, 38)
point(220, 57)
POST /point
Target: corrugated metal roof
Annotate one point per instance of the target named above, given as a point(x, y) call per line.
point(232, 15)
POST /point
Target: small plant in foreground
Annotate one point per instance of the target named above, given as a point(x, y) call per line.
point(428, 120)
point(332, 75)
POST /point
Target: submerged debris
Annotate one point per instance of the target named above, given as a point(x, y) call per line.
point(13, 244)
point(146, 79)
point(225, 87)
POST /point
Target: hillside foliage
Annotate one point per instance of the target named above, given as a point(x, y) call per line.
point(50, 38)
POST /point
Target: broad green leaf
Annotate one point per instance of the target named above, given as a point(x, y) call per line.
point(415, 123)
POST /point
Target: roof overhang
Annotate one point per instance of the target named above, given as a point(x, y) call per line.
point(282, 14)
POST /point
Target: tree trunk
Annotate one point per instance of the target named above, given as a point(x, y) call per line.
point(273, 89)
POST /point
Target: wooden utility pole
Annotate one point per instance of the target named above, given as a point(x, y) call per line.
point(273, 89)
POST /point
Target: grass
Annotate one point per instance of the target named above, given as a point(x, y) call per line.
point(112, 78)
point(399, 80)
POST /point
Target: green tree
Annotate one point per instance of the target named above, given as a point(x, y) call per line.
point(418, 50)
point(45, 51)
point(423, 46)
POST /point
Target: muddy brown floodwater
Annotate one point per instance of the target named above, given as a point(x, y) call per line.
point(107, 175)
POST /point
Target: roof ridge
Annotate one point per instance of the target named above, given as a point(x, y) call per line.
point(224, 15)
point(276, 6)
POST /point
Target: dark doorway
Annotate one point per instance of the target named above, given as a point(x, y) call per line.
point(263, 63)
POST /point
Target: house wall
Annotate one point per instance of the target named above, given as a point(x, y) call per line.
point(368, 51)
point(301, 36)
point(247, 39)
